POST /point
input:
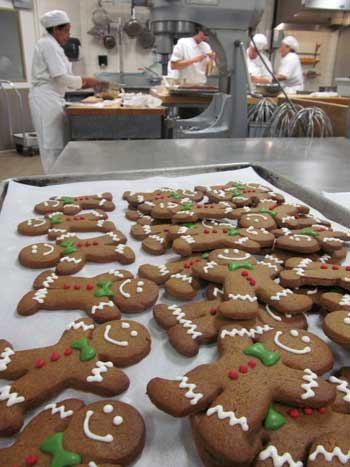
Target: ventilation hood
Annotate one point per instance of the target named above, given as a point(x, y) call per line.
point(308, 14)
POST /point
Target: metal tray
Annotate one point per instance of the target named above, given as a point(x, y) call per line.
point(328, 208)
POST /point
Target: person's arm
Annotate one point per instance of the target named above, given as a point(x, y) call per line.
point(286, 69)
point(76, 82)
point(182, 64)
point(260, 80)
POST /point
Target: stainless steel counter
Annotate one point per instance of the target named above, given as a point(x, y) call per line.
point(320, 164)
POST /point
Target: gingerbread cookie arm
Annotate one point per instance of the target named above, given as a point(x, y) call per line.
point(333, 301)
point(183, 286)
point(186, 395)
point(161, 273)
point(156, 244)
point(170, 315)
point(101, 377)
point(71, 264)
point(303, 388)
point(55, 418)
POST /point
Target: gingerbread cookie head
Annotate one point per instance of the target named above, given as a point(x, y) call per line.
point(229, 255)
point(336, 326)
point(125, 342)
point(135, 295)
point(300, 349)
point(40, 255)
point(268, 315)
point(106, 431)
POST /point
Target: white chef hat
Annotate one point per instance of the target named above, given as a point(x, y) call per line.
point(260, 42)
point(54, 18)
point(291, 42)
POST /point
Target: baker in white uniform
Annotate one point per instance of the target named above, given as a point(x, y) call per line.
point(290, 72)
point(51, 78)
point(192, 57)
point(257, 70)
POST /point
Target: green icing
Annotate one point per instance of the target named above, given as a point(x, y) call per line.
point(187, 207)
point(240, 265)
point(69, 248)
point(176, 195)
point(205, 255)
point(309, 233)
point(274, 420)
point(66, 200)
point(235, 192)
point(86, 351)
point(190, 226)
point(60, 457)
point(104, 289)
point(259, 351)
point(239, 186)
point(56, 219)
point(233, 232)
point(268, 211)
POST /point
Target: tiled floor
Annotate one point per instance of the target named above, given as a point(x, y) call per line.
point(14, 165)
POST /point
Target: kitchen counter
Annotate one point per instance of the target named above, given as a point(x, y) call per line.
point(320, 164)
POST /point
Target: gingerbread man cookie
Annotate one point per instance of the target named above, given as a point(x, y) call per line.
point(67, 433)
point(57, 224)
point(165, 194)
point(310, 240)
point(233, 396)
point(72, 205)
point(241, 194)
point(102, 297)
point(84, 358)
point(155, 238)
point(247, 281)
point(72, 253)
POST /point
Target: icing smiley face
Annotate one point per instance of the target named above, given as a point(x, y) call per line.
point(134, 294)
point(101, 429)
point(257, 220)
point(127, 341)
point(228, 255)
point(40, 255)
point(300, 349)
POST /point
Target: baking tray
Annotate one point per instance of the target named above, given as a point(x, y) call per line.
point(328, 208)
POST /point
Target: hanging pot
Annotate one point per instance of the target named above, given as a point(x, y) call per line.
point(100, 16)
point(109, 41)
point(146, 38)
point(133, 27)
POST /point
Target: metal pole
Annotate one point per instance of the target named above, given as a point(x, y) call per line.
point(239, 119)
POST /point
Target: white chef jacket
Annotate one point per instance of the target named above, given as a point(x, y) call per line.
point(290, 67)
point(257, 68)
point(51, 78)
point(187, 48)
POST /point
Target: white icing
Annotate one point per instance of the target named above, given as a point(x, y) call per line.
point(52, 202)
point(281, 294)
point(279, 460)
point(57, 230)
point(342, 386)
point(80, 325)
point(163, 270)
point(96, 214)
point(182, 277)
point(120, 249)
point(230, 258)
point(134, 334)
point(273, 258)
point(242, 240)
point(210, 265)
point(244, 298)
point(233, 420)
point(89, 434)
point(63, 413)
point(147, 229)
point(36, 222)
point(11, 398)
point(125, 325)
point(117, 420)
point(285, 347)
point(347, 319)
point(311, 382)
point(190, 394)
point(304, 262)
point(121, 288)
point(113, 236)
point(70, 259)
point(188, 239)
point(5, 358)
point(113, 341)
point(345, 301)
point(261, 216)
point(66, 235)
point(269, 265)
point(40, 295)
point(325, 258)
point(102, 202)
point(108, 408)
point(332, 239)
point(330, 455)
point(139, 287)
point(116, 273)
point(101, 306)
point(186, 323)
point(217, 292)
point(158, 238)
point(252, 332)
point(35, 249)
point(299, 238)
point(92, 464)
point(140, 198)
point(272, 314)
point(101, 367)
point(49, 280)
point(182, 230)
point(288, 218)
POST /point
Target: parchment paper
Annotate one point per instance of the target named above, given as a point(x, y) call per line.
point(168, 440)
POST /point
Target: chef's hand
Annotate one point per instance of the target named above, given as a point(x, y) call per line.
point(90, 82)
point(211, 55)
point(199, 58)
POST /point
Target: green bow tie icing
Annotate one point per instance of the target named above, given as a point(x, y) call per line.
point(56, 219)
point(66, 200)
point(205, 255)
point(268, 211)
point(235, 192)
point(309, 233)
point(240, 265)
point(239, 186)
point(69, 248)
point(187, 207)
point(104, 289)
point(87, 352)
point(190, 226)
point(259, 351)
point(60, 457)
point(274, 420)
point(233, 232)
point(176, 195)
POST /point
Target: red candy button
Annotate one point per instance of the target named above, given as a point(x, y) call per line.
point(347, 268)
point(243, 369)
point(252, 363)
point(213, 311)
point(77, 287)
point(89, 286)
point(335, 267)
point(252, 282)
point(225, 230)
point(32, 460)
point(79, 245)
point(244, 273)
point(308, 411)
point(66, 286)
point(294, 413)
point(322, 410)
point(233, 374)
point(55, 356)
point(95, 243)
point(68, 352)
point(39, 363)
point(324, 266)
